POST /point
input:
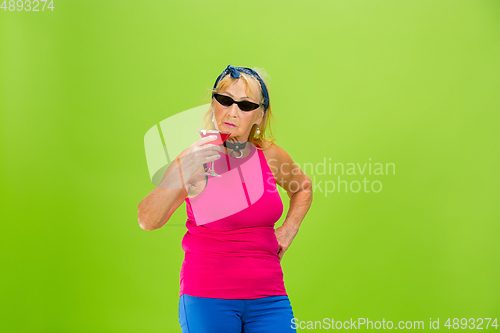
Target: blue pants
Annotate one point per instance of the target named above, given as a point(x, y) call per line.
point(215, 315)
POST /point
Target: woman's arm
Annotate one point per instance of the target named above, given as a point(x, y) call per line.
point(159, 205)
point(298, 187)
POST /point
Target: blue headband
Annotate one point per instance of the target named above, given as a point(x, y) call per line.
point(235, 74)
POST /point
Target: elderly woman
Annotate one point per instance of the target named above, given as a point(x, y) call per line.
point(231, 278)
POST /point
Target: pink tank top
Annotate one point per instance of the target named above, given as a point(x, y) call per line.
point(230, 246)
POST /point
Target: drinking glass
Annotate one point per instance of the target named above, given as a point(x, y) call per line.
point(221, 137)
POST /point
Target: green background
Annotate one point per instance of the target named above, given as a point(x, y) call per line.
point(414, 83)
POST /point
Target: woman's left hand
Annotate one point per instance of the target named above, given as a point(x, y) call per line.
point(284, 235)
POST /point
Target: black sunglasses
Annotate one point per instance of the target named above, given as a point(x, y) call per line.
point(243, 105)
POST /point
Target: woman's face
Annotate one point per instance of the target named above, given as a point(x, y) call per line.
point(231, 118)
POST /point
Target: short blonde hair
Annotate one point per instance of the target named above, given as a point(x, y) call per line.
point(265, 139)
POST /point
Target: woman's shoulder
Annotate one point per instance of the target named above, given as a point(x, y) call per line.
point(277, 159)
point(274, 152)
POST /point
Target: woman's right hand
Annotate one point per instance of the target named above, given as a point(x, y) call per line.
point(199, 153)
